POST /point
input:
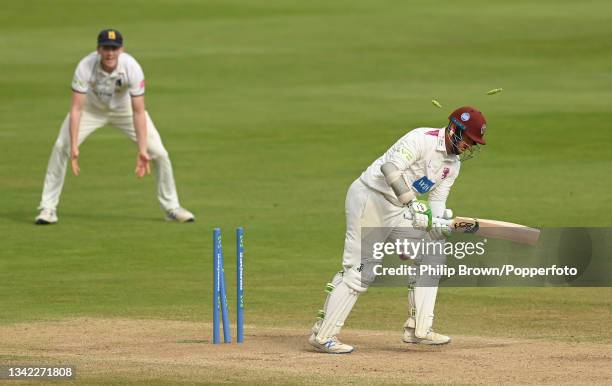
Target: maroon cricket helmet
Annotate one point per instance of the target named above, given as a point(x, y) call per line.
point(470, 122)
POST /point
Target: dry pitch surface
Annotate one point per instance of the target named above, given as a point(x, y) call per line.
point(159, 351)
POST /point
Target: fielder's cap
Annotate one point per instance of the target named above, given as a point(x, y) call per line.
point(110, 37)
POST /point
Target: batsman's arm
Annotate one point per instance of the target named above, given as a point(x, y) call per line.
point(140, 126)
point(76, 108)
point(398, 159)
point(395, 179)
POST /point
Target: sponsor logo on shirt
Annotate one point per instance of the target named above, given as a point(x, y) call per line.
point(79, 84)
point(406, 153)
point(423, 185)
point(103, 94)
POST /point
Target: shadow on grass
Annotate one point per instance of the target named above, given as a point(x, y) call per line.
point(22, 217)
point(114, 216)
point(28, 217)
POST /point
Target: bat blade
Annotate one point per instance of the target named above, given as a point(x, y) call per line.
point(496, 230)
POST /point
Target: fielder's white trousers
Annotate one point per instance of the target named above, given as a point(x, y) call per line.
point(91, 120)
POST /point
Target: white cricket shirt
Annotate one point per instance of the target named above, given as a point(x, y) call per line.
point(109, 91)
point(422, 158)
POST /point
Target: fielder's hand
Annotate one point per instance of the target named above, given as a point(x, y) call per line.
point(74, 161)
point(421, 214)
point(142, 165)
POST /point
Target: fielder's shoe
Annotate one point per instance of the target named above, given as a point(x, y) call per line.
point(46, 216)
point(431, 338)
point(180, 215)
point(330, 346)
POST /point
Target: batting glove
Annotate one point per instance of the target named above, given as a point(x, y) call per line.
point(421, 214)
point(440, 228)
point(448, 214)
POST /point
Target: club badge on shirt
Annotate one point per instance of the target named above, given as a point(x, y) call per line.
point(445, 172)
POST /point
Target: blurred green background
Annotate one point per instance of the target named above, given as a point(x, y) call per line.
point(269, 110)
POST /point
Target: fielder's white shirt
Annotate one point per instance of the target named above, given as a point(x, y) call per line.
point(109, 91)
point(422, 158)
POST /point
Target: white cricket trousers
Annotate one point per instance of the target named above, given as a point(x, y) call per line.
point(368, 210)
point(370, 218)
point(92, 119)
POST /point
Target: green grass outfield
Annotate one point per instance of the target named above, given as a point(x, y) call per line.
point(270, 110)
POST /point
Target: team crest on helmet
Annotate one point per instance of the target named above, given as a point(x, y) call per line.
point(482, 129)
point(465, 117)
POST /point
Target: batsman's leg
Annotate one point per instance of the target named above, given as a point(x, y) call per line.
point(422, 299)
point(341, 297)
point(329, 287)
point(364, 211)
point(422, 289)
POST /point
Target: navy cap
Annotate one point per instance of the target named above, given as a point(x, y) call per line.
point(110, 37)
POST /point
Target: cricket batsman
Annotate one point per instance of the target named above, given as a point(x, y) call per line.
point(108, 89)
point(385, 199)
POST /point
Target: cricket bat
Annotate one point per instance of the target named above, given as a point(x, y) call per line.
point(496, 229)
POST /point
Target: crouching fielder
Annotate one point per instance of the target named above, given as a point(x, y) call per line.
point(108, 88)
point(382, 205)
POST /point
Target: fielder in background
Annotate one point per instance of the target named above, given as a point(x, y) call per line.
point(108, 88)
point(384, 199)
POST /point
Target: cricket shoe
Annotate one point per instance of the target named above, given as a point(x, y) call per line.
point(431, 338)
point(46, 217)
point(330, 346)
point(180, 215)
